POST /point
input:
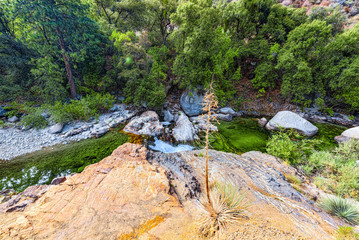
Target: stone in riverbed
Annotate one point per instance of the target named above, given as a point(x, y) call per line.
point(227, 110)
point(191, 103)
point(168, 116)
point(13, 119)
point(200, 124)
point(146, 124)
point(262, 122)
point(351, 133)
point(57, 128)
point(224, 117)
point(99, 132)
point(184, 130)
point(291, 120)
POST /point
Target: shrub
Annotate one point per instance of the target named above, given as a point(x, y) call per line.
point(228, 206)
point(347, 151)
point(328, 185)
point(319, 161)
point(291, 147)
point(98, 102)
point(348, 181)
point(347, 233)
point(89, 106)
point(344, 208)
point(17, 109)
point(293, 179)
point(35, 120)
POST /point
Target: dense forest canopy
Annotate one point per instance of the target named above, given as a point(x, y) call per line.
point(51, 50)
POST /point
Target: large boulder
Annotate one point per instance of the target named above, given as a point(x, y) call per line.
point(291, 120)
point(351, 133)
point(184, 130)
point(146, 124)
point(191, 103)
point(57, 128)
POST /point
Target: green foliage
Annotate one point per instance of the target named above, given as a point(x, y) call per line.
point(145, 48)
point(17, 109)
point(291, 147)
point(319, 161)
point(204, 49)
point(338, 168)
point(14, 57)
point(42, 24)
point(89, 106)
point(34, 119)
point(347, 233)
point(340, 207)
point(300, 60)
point(293, 179)
point(331, 16)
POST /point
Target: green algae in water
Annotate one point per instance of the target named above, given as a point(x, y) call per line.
point(244, 134)
point(43, 166)
point(239, 136)
point(326, 134)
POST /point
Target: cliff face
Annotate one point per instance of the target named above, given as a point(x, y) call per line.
point(137, 194)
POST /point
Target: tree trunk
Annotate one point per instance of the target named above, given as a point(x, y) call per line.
point(67, 64)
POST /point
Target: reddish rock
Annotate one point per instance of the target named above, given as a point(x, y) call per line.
point(137, 194)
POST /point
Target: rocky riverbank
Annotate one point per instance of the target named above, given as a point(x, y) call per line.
point(16, 141)
point(178, 120)
point(135, 193)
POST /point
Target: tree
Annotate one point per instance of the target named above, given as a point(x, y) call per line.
point(339, 69)
point(59, 29)
point(14, 57)
point(300, 60)
point(203, 48)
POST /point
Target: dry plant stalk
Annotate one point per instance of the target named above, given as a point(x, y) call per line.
point(210, 103)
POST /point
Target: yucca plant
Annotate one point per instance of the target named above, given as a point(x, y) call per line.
point(344, 208)
point(226, 207)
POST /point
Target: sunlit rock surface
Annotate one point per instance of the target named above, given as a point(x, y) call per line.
point(138, 194)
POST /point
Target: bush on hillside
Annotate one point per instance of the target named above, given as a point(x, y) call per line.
point(291, 147)
point(35, 120)
point(89, 106)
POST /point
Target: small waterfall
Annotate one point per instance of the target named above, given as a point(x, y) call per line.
point(165, 147)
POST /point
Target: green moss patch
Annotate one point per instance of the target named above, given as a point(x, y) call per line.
point(239, 136)
point(326, 134)
point(43, 166)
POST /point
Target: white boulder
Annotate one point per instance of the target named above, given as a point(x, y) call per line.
point(291, 120)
